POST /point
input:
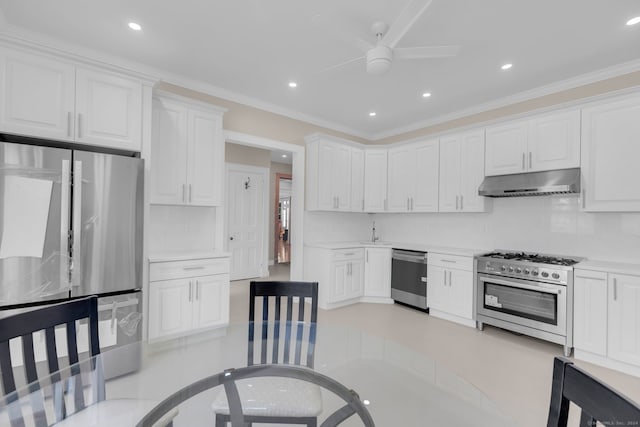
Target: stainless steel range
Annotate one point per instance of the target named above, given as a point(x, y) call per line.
point(527, 293)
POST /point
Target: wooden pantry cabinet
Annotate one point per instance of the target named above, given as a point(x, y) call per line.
point(187, 153)
point(46, 97)
point(187, 296)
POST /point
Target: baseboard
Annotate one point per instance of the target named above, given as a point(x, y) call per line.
point(271, 262)
point(597, 359)
point(452, 318)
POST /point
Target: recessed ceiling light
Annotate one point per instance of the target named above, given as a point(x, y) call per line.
point(135, 26)
point(372, 114)
point(366, 402)
point(426, 94)
point(284, 156)
point(634, 21)
point(506, 66)
point(293, 84)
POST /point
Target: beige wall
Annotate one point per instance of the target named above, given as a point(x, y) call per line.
point(234, 153)
point(275, 168)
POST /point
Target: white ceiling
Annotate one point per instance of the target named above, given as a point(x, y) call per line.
point(253, 48)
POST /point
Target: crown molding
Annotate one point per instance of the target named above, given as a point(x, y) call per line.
point(571, 83)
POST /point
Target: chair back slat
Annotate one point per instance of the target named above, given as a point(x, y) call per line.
point(276, 345)
point(597, 401)
point(48, 319)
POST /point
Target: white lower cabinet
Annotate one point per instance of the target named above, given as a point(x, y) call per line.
point(187, 296)
point(450, 287)
point(377, 274)
point(607, 319)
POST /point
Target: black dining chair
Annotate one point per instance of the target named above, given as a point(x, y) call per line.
point(282, 339)
point(598, 402)
point(58, 396)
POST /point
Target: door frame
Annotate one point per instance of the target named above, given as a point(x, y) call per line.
point(276, 232)
point(297, 191)
point(264, 172)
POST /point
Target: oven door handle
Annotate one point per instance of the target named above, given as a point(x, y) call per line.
point(542, 287)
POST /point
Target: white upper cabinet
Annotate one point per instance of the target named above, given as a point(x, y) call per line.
point(461, 172)
point(187, 153)
point(108, 110)
point(375, 180)
point(49, 98)
point(357, 180)
point(413, 177)
point(545, 142)
point(610, 153)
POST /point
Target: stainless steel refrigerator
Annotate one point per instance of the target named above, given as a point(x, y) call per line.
point(70, 226)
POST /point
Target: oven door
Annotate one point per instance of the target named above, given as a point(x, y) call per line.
point(542, 306)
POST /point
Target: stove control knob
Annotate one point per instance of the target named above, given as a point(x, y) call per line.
point(555, 275)
point(527, 271)
point(511, 269)
point(534, 273)
point(503, 268)
point(544, 274)
point(518, 270)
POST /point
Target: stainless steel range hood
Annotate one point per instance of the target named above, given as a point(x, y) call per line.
point(562, 181)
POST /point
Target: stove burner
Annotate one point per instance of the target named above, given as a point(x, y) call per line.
point(522, 256)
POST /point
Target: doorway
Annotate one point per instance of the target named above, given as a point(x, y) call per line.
point(282, 231)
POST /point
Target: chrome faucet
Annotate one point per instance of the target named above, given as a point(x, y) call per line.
point(374, 238)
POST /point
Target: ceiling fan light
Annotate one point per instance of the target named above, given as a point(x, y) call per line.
point(379, 60)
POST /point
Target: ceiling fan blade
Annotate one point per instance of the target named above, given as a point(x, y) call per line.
point(425, 52)
point(342, 64)
point(407, 18)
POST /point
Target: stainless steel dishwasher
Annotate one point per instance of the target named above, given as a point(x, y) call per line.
point(409, 278)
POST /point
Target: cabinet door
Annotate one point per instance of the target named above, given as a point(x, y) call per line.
point(334, 176)
point(472, 172)
point(169, 153)
point(108, 110)
point(375, 180)
point(170, 308)
point(505, 149)
point(204, 159)
point(38, 95)
point(424, 180)
point(357, 180)
point(211, 301)
point(377, 272)
point(610, 153)
point(554, 141)
point(450, 172)
point(624, 318)
point(399, 179)
point(356, 279)
point(460, 301)
point(339, 289)
point(341, 178)
point(437, 289)
point(590, 311)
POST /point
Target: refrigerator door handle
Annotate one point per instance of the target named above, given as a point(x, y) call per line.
point(65, 231)
point(76, 260)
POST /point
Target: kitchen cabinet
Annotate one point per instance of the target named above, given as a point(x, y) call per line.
point(610, 153)
point(187, 152)
point(607, 317)
point(329, 174)
point(348, 278)
point(461, 172)
point(377, 273)
point(545, 142)
point(375, 180)
point(46, 97)
point(187, 296)
point(413, 177)
point(357, 180)
point(450, 287)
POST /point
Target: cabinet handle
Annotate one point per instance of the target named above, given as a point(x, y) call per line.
point(530, 164)
point(449, 279)
point(366, 253)
point(79, 125)
point(69, 124)
point(197, 289)
point(190, 290)
point(445, 277)
point(363, 204)
point(350, 254)
point(337, 202)
point(457, 202)
point(615, 289)
point(584, 197)
point(189, 193)
point(408, 208)
point(195, 267)
point(449, 260)
point(412, 203)
point(184, 193)
point(523, 156)
point(461, 202)
point(385, 204)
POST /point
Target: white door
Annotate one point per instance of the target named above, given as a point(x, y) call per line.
point(399, 178)
point(211, 300)
point(205, 146)
point(505, 148)
point(590, 311)
point(375, 181)
point(170, 307)
point(554, 141)
point(471, 171)
point(449, 198)
point(357, 180)
point(246, 220)
point(624, 318)
point(424, 179)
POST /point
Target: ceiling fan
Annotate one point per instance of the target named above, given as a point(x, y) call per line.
point(380, 56)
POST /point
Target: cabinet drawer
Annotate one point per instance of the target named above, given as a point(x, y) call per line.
point(187, 268)
point(450, 261)
point(348, 254)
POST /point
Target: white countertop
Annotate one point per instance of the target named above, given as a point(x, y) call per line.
point(609, 267)
point(182, 256)
point(423, 247)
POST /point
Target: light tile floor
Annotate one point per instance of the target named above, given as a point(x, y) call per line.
point(514, 371)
